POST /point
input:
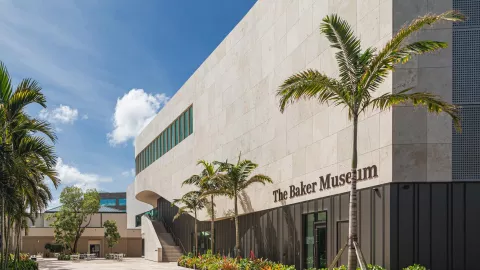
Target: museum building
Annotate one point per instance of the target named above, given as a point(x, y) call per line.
point(419, 179)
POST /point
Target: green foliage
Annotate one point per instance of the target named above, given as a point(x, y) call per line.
point(27, 158)
point(64, 257)
point(415, 267)
point(111, 233)
point(212, 261)
point(77, 209)
point(23, 265)
point(190, 203)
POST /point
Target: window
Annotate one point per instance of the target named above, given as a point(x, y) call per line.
point(108, 202)
point(122, 202)
point(177, 136)
point(176, 132)
point(190, 114)
point(187, 125)
point(173, 135)
point(181, 127)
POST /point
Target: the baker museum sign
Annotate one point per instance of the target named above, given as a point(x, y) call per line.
point(325, 182)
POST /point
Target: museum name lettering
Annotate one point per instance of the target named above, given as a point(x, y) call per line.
point(325, 182)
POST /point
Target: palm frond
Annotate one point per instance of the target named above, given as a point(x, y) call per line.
point(342, 37)
point(433, 103)
point(5, 84)
point(312, 84)
point(259, 178)
point(23, 97)
point(192, 180)
point(393, 52)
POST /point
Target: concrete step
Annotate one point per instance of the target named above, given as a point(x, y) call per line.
point(172, 248)
point(170, 258)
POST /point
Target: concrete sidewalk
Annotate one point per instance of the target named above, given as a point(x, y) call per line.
point(102, 264)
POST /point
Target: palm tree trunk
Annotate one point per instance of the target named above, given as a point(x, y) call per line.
point(196, 235)
point(352, 217)
point(212, 233)
point(3, 232)
point(237, 232)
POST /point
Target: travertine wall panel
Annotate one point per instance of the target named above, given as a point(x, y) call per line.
point(236, 109)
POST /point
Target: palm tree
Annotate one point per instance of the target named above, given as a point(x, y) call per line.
point(192, 202)
point(235, 179)
point(360, 74)
point(24, 157)
point(207, 181)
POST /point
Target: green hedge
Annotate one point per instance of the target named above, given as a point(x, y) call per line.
point(211, 261)
point(24, 265)
point(64, 257)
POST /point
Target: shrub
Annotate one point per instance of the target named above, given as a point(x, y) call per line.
point(23, 265)
point(415, 267)
point(63, 257)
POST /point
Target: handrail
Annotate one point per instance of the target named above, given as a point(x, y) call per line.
point(175, 238)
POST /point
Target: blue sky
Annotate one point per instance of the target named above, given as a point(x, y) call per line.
point(94, 57)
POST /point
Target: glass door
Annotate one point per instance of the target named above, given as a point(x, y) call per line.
point(320, 247)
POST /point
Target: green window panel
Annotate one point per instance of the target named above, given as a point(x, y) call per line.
point(169, 137)
point(187, 123)
point(190, 114)
point(180, 120)
point(148, 156)
point(172, 135)
point(177, 132)
point(162, 139)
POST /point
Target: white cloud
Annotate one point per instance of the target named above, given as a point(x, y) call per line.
point(132, 113)
point(129, 173)
point(62, 114)
point(70, 175)
point(85, 117)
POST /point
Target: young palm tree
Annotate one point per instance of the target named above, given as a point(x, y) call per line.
point(192, 202)
point(360, 74)
point(235, 179)
point(207, 180)
point(23, 156)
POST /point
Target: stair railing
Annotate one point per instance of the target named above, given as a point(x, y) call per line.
point(177, 240)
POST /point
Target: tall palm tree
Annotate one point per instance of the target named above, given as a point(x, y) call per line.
point(24, 157)
point(207, 180)
point(191, 202)
point(360, 75)
point(236, 178)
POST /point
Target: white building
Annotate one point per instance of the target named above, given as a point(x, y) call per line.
point(419, 207)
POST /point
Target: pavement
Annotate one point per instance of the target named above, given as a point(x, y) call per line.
point(102, 264)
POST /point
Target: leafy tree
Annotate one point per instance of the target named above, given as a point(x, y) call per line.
point(235, 178)
point(207, 181)
point(74, 215)
point(360, 75)
point(191, 202)
point(25, 158)
point(111, 233)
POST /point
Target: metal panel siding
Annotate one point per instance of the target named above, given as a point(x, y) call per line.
point(378, 229)
point(458, 226)
point(394, 227)
point(466, 91)
point(423, 225)
point(433, 224)
point(406, 221)
point(439, 229)
point(472, 217)
point(365, 223)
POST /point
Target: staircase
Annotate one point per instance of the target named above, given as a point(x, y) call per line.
point(170, 251)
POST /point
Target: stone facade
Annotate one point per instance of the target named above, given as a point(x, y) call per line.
point(236, 109)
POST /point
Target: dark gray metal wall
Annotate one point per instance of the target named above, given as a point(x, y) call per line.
point(277, 233)
point(435, 224)
point(400, 224)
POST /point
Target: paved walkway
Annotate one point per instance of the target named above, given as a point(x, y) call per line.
point(102, 264)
